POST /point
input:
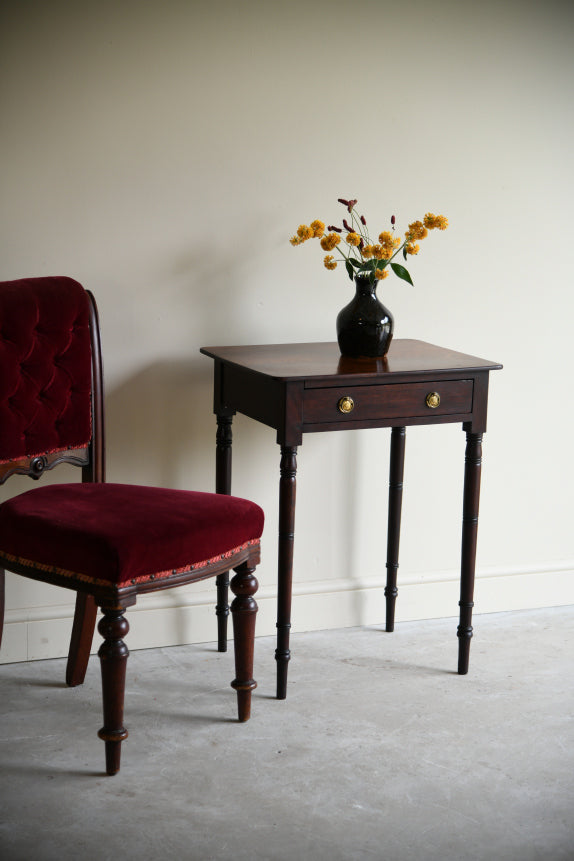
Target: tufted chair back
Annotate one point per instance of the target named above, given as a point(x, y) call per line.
point(48, 413)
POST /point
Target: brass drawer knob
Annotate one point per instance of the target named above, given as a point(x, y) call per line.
point(433, 400)
point(346, 404)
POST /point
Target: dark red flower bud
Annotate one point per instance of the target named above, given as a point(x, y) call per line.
point(336, 229)
point(361, 244)
point(346, 226)
point(343, 201)
point(351, 204)
point(393, 220)
point(363, 220)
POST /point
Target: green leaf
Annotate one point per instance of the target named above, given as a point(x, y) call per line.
point(355, 263)
point(349, 269)
point(401, 272)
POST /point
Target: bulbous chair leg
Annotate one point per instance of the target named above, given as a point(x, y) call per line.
point(113, 654)
point(244, 610)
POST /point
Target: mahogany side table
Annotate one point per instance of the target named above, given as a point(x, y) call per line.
point(308, 388)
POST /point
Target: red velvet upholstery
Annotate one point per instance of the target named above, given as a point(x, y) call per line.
point(121, 534)
point(46, 367)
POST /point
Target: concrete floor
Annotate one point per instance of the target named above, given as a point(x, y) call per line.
point(380, 751)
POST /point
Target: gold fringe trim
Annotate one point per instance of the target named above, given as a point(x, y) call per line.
point(144, 578)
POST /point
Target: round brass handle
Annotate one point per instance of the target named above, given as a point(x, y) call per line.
point(346, 404)
point(432, 400)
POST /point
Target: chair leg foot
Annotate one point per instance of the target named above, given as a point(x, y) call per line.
point(244, 610)
point(113, 654)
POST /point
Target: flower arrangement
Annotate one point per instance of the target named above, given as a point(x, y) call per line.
point(362, 256)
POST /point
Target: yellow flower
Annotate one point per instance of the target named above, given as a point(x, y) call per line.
point(330, 241)
point(295, 240)
point(304, 232)
point(318, 228)
point(381, 273)
point(411, 248)
point(416, 230)
point(367, 252)
point(432, 221)
point(330, 262)
point(353, 239)
point(378, 252)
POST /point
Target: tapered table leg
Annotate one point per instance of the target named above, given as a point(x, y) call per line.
point(472, 469)
point(223, 485)
point(396, 472)
point(287, 492)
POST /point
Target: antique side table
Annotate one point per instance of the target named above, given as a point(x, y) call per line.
point(307, 388)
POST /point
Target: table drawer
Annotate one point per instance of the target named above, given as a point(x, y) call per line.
point(395, 400)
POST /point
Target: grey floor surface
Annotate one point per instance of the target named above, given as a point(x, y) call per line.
point(379, 752)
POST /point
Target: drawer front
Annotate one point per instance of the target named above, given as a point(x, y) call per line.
point(394, 400)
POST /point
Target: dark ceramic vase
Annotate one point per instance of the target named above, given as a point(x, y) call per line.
point(365, 326)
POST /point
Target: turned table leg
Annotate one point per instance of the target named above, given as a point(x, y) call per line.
point(472, 468)
point(287, 492)
point(396, 472)
point(223, 485)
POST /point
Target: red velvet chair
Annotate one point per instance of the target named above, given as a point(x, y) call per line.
point(108, 542)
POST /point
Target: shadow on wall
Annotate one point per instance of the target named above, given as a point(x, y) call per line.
point(161, 428)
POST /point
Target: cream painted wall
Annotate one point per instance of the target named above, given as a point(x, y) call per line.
point(163, 152)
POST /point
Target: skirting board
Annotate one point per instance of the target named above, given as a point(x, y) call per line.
point(181, 617)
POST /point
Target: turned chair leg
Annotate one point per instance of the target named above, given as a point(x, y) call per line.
point(113, 654)
point(81, 641)
point(244, 609)
point(2, 594)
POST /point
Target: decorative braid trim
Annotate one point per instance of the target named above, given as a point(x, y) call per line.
point(144, 578)
point(24, 457)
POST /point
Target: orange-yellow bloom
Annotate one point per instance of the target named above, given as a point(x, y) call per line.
point(411, 248)
point(330, 241)
point(432, 221)
point(388, 244)
point(318, 228)
point(330, 262)
point(367, 252)
point(353, 239)
point(416, 230)
point(304, 232)
point(381, 273)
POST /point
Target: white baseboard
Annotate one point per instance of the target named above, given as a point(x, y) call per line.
point(180, 617)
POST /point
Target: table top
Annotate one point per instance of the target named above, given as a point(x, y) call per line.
point(287, 362)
